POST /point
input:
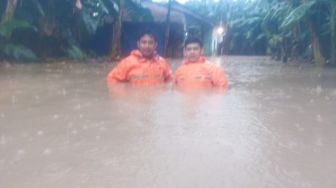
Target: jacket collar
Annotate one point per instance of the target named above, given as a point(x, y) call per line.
point(138, 54)
point(200, 60)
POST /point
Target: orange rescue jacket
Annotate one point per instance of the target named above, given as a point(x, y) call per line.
point(139, 70)
point(200, 74)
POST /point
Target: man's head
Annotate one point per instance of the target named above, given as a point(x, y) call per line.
point(147, 43)
point(193, 49)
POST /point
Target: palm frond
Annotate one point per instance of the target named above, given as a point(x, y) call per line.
point(298, 14)
point(18, 52)
point(6, 28)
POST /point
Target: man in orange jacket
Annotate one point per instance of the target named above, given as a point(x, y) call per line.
point(142, 66)
point(196, 71)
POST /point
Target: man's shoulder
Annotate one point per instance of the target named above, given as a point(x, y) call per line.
point(161, 59)
point(129, 59)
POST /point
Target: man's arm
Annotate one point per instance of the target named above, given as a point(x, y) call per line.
point(118, 73)
point(167, 71)
point(219, 77)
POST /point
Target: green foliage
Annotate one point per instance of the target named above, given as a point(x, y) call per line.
point(136, 12)
point(17, 52)
point(275, 27)
point(332, 22)
point(93, 13)
point(298, 14)
point(10, 50)
point(61, 23)
point(75, 52)
point(2, 7)
point(282, 28)
point(89, 23)
point(7, 28)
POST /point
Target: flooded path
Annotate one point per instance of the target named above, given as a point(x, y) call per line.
point(275, 126)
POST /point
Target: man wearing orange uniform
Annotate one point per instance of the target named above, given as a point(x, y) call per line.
point(142, 66)
point(196, 71)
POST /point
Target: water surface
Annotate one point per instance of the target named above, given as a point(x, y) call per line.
point(61, 126)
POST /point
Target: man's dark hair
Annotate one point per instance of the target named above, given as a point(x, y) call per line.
point(193, 40)
point(146, 32)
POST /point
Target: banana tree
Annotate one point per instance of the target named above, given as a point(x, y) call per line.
point(9, 10)
point(308, 13)
point(65, 25)
point(332, 20)
point(122, 8)
point(117, 26)
point(9, 49)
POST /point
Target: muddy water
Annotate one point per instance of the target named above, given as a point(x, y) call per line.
point(61, 126)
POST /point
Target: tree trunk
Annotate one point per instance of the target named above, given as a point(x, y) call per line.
point(333, 34)
point(318, 57)
point(9, 11)
point(284, 51)
point(117, 27)
point(167, 31)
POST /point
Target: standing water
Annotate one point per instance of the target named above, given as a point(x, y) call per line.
point(61, 127)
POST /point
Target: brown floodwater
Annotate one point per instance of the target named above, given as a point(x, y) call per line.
point(61, 126)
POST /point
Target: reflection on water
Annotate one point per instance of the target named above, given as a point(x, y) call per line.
point(61, 125)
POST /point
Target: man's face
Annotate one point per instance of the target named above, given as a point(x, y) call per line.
point(147, 45)
point(193, 51)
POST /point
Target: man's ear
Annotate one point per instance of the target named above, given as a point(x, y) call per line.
point(138, 44)
point(202, 51)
